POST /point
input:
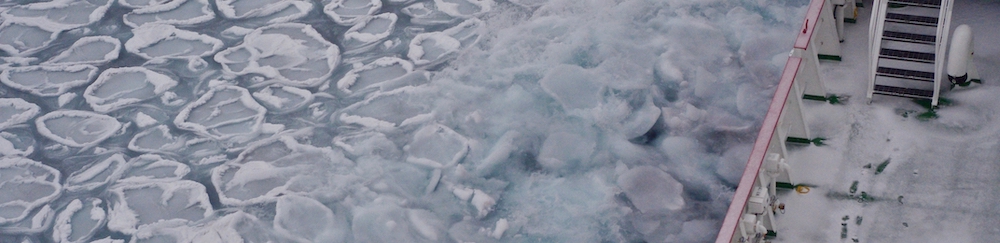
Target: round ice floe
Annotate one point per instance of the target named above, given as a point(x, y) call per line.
point(79, 220)
point(432, 48)
point(464, 8)
point(426, 13)
point(96, 175)
point(281, 166)
point(77, 128)
point(307, 220)
point(436, 146)
point(240, 9)
point(93, 50)
point(236, 227)
point(21, 39)
point(135, 205)
point(14, 111)
point(142, 3)
point(48, 81)
point(389, 110)
point(155, 140)
point(38, 221)
point(119, 87)
point(387, 222)
point(573, 86)
point(466, 32)
point(368, 32)
point(529, 3)
point(153, 41)
point(224, 112)
point(350, 12)
point(19, 143)
point(151, 167)
point(650, 189)
point(59, 14)
point(283, 99)
point(290, 54)
point(378, 71)
point(25, 185)
point(176, 12)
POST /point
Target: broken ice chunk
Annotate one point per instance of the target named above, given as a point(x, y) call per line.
point(241, 9)
point(432, 48)
point(176, 12)
point(59, 14)
point(108, 240)
point(153, 41)
point(389, 110)
point(382, 69)
point(641, 120)
point(651, 190)
point(350, 12)
point(529, 3)
point(572, 86)
point(283, 99)
point(22, 39)
point(76, 128)
point(466, 32)
point(151, 167)
point(48, 81)
point(236, 227)
point(307, 220)
point(222, 113)
point(157, 139)
point(291, 54)
point(14, 111)
point(565, 150)
point(79, 221)
point(426, 13)
point(133, 205)
point(142, 3)
point(25, 184)
point(436, 146)
point(483, 202)
point(93, 50)
point(18, 143)
point(387, 222)
point(464, 8)
point(368, 33)
point(97, 174)
point(118, 87)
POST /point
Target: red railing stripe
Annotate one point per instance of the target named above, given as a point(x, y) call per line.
point(812, 19)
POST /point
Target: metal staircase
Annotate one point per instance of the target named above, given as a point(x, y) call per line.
point(907, 41)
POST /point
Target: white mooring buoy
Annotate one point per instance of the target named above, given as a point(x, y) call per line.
point(961, 69)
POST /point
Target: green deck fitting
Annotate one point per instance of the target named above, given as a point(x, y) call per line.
point(784, 185)
point(813, 97)
point(828, 57)
point(854, 187)
point(859, 4)
point(798, 140)
point(857, 220)
point(770, 235)
point(881, 167)
point(852, 21)
point(832, 99)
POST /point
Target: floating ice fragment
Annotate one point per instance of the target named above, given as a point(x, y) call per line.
point(151, 167)
point(25, 185)
point(374, 73)
point(155, 140)
point(153, 41)
point(464, 8)
point(651, 190)
point(237, 227)
point(16, 144)
point(432, 48)
point(389, 110)
point(426, 13)
point(59, 14)
point(176, 12)
point(483, 203)
point(142, 120)
point(76, 128)
point(500, 228)
point(466, 32)
point(564, 150)
point(572, 86)
point(48, 81)
point(22, 39)
point(133, 205)
point(93, 50)
point(142, 3)
point(641, 120)
point(108, 240)
point(368, 33)
point(222, 113)
point(529, 3)
point(14, 111)
point(118, 87)
point(79, 221)
point(37, 222)
point(387, 222)
point(350, 12)
point(436, 146)
point(307, 220)
point(240, 9)
point(291, 54)
point(283, 99)
point(97, 174)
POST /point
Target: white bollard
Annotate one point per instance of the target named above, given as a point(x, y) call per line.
point(838, 14)
point(961, 69)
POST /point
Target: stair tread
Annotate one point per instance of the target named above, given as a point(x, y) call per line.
point(903, 92)
point(911, 19)
point(909, 37)
point(907, 55)
point(921, 3)
point(906, 74)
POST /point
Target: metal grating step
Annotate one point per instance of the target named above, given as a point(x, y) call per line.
point(905, 74)
point(909, 37)
point(903, 55)
point(911, 19)
point(903, 92)
point(918, 3)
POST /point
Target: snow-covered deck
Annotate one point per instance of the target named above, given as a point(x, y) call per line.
point(941, 182)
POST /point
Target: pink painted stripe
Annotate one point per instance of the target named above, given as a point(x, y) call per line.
point(767, 130)
point(812, 18)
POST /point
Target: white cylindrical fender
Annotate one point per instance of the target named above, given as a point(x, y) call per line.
point(959, 53)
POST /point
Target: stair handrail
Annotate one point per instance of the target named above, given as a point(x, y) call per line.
point(941, 47)
point(876, 27)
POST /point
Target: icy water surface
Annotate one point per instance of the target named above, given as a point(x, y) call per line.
point(380, 120)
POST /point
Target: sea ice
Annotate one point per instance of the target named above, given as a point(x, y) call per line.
point(464, 8)
point(157, 139)
point(22, 39)
point(224, 112)
point(48, 81)
point(25, 185)
point(652, 190)
point(14, 111)
point(307, 220)
point(350, 12)
point(291, 54)
point(283, 99)
point(388, 222)
point(467, 32)
point(368, 33)
point(426, 13)
point(374, 73)
point(35, 223)
point(77, 128)
point(119, 87)
point(20, 143)
point(93, 50)
point(563, 151)
point(572, 86)
point(176, 12)
point(135, 205)
point(152, 41)
point(390, 110)
point(529, 3)
point(79, 221)
point(97, 174)
point(436, 146)
point(151, 167)
point(236, 227)
point(432, 48)
point(59, 14)
point(241, 9)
